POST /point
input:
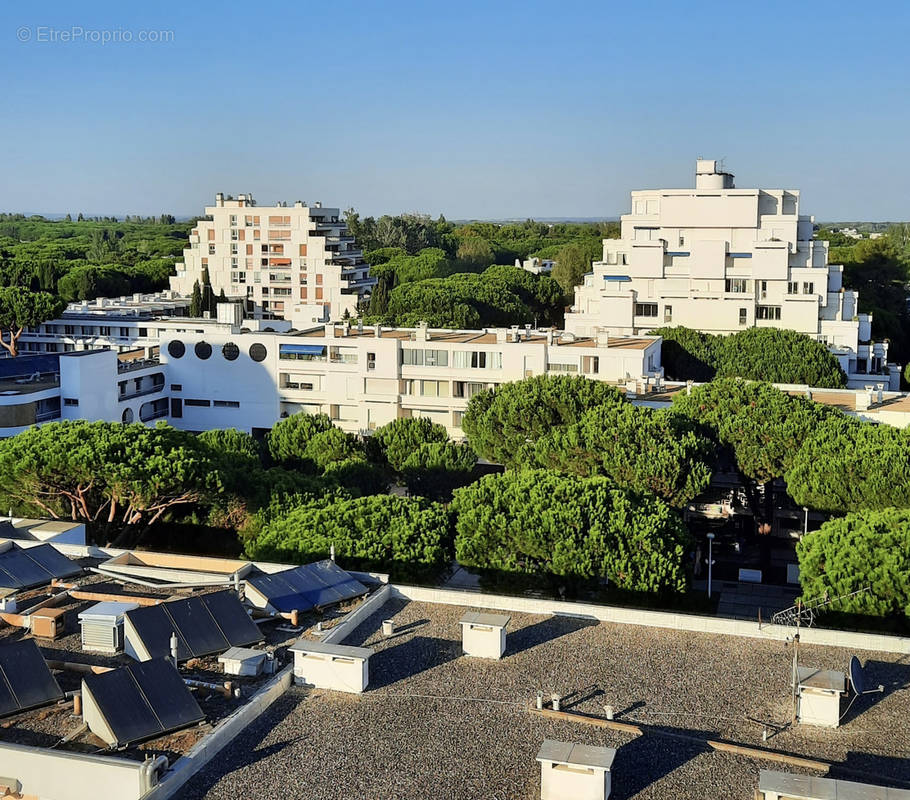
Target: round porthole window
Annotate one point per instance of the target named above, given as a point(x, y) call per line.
point(176, 348)
point(203, 350)
point(127, 415)
point(230, 351)
point(258, 352)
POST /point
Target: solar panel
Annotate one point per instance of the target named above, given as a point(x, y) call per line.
point(204, 625)
point(312, 585)
point(340, 581)
point(24, 567)
point(137, 702)
point(166, 693)
point(196, 625)
point(27, 682)
point(231, 617)
point(51, 559)
point(154, 627)
point(24, 571)
point(121, 705)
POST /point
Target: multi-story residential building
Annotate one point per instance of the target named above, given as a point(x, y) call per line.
point(720, 259)
point(296, 262)
point(230, 376)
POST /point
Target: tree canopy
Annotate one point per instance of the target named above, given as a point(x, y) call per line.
point(21, 308)
point(775, 355)
point(863, 549)
point(763, 426)
point(401, 438)
point(847, 465)
point(637, 448)
point(126, 475)
point(500, 424)
point(536, 521)
point(408, 537)
point(289, 438)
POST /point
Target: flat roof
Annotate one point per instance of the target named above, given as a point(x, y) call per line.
point(800, 786)
point(435, 724)
point(475, 337)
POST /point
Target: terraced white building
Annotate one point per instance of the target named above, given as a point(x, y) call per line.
point(720, 259)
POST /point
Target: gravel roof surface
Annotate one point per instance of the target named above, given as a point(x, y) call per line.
point(436, 724)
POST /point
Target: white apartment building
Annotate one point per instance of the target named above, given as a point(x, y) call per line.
point(297, 262)
point(361, 377)
point(720, 259)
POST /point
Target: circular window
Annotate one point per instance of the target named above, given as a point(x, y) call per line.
point(128, 413)
point(176, 348)
point(203, 350)
point(258, 352)
point(230, 351)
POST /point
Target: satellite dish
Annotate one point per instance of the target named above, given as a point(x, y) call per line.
point(856, 675)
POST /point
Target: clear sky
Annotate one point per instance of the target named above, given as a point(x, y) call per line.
point(472, 109)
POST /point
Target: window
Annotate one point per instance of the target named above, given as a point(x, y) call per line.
point(792, 287)
point(176, 348)
point(70, 401)
point(434, 388)
point(429, 358)
point(371, 360)
point(233, 219)
point(226, 404)
point(764, 289)
point(230, 351)
point(234, 250)
point(301, 352)
point(668, 313)
point(767, 312)
point(198, 403)
point(176, 408)
point(211, 233)
point(466, 389)
point(127, 415)
point(743, 316)
point(562, 367)
point(125, 332)
point(457, 417)
point(176, 387)
point(737, 285)
point(202, 350)
point(808, 287)
point(646, 309)
point(477, 360)
point(682, 241)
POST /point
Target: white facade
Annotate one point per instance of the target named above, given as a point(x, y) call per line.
point(364, 378)
point(720, 259)
point(296, 262)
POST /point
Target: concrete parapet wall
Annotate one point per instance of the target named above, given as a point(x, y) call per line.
point(366, 609)
point(655, 619)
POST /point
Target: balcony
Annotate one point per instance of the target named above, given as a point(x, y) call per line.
point(140, 392)
point(135, 364)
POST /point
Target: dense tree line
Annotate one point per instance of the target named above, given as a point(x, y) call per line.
point(87, 259)
point(774, 355)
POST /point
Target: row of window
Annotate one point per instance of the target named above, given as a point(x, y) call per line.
point(203, 350)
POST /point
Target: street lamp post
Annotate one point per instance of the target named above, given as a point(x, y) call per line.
point(805, 520)
point(710, 560)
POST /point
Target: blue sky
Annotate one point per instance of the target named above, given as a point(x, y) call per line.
point(471, 109)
